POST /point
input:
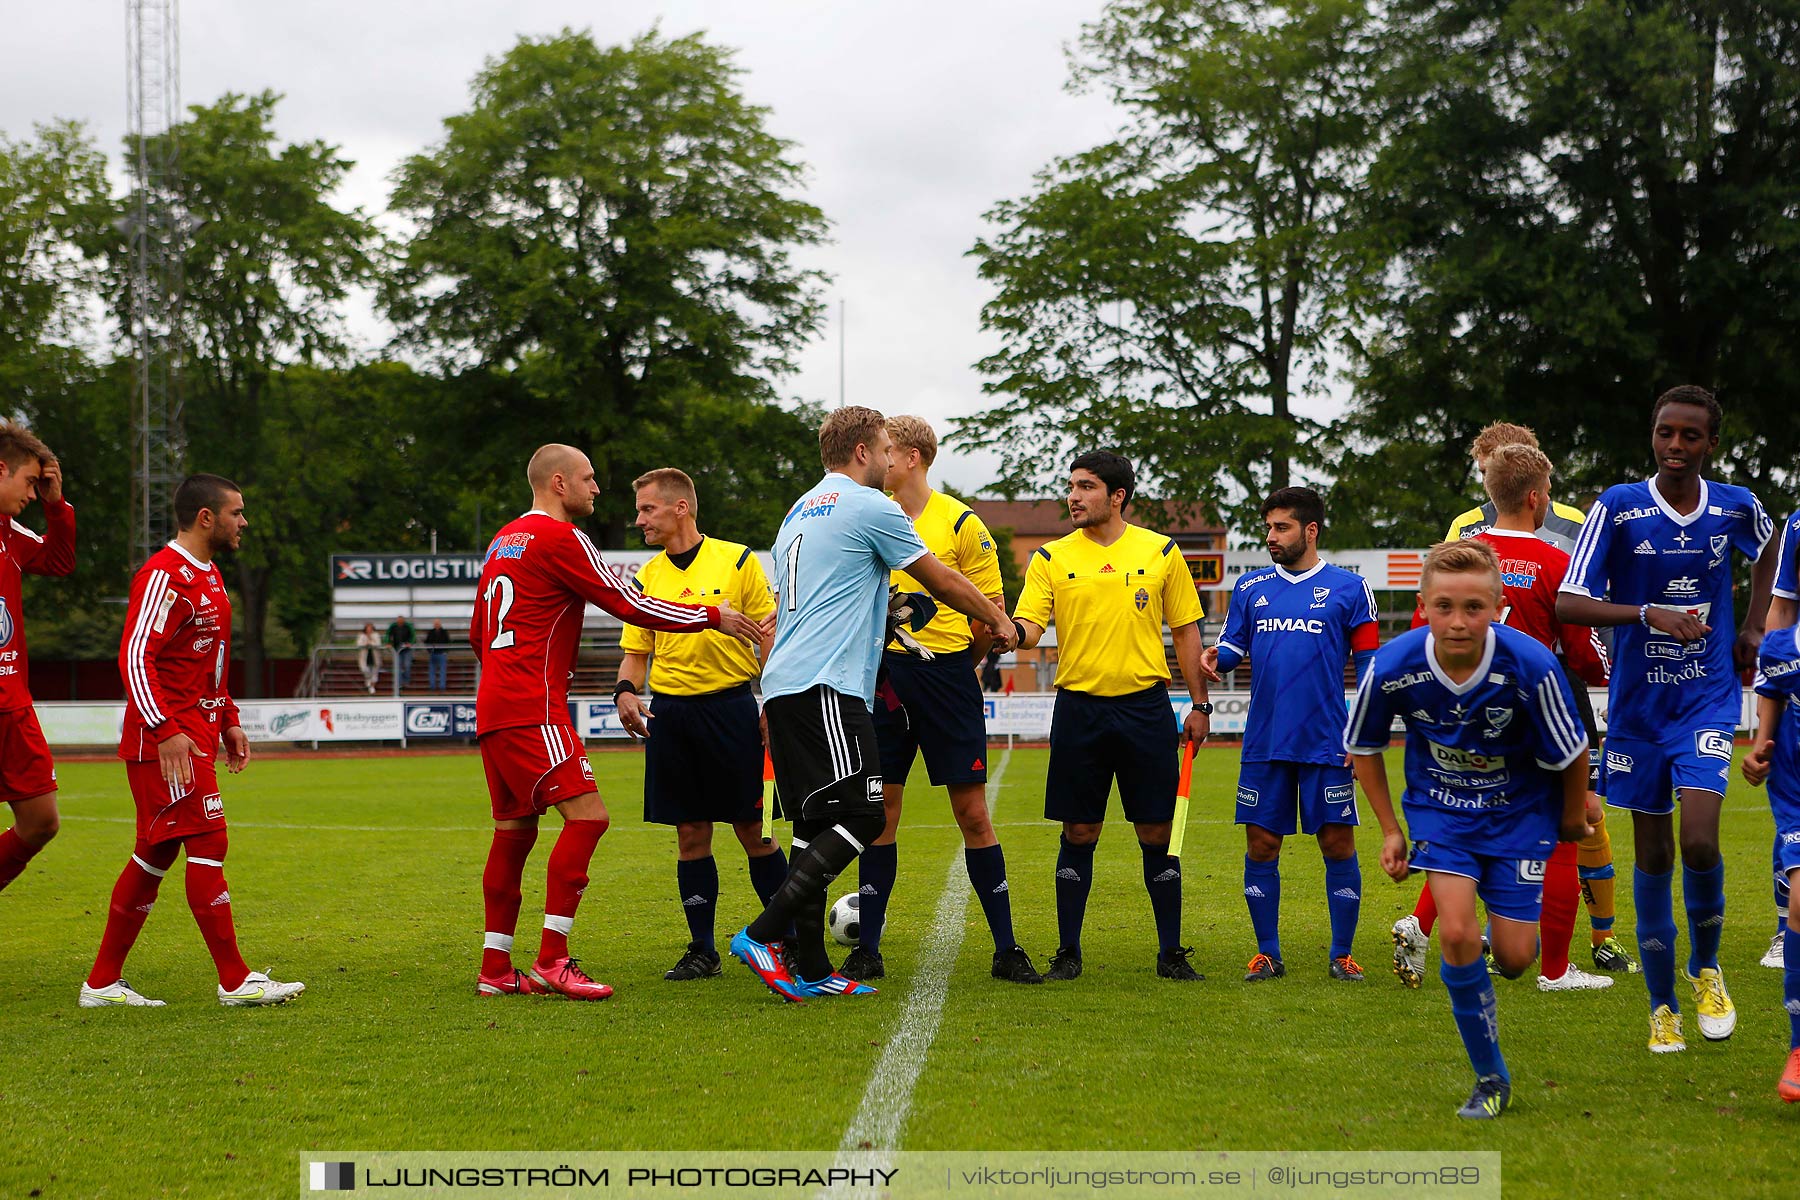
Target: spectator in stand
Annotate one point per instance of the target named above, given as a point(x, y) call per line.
point(368, 655)
point(437, 646)
point(400, 637)
point(990, 672)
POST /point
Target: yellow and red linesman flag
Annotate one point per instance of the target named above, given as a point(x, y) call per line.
point(768, 800)
point(1179, 834)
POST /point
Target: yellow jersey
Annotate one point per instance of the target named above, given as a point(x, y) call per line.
point(695, 664)
point(951, 531)
point(1561, 527)
point(1110, 603)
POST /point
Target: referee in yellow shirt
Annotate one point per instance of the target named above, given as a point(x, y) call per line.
point(1110, 586)
point(703, 752)
point(935, 707)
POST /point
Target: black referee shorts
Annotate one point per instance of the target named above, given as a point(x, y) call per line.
point(936, 708)
point(1584, 708)
point(1094, 739)
point(827, 766)
point(703, 759)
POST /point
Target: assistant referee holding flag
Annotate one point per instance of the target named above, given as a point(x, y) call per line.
point(1110, 586)
point(703, 753)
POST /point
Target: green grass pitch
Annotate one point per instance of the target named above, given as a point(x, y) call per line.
point(362, 877)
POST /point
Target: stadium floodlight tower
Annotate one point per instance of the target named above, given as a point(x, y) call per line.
point(155, 227)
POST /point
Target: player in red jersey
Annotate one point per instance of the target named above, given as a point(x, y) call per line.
point(539, 576)
point(173, 658)
point(1531, 571)
point(27, 772)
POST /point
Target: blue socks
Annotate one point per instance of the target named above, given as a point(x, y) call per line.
point(1343, 897)
point(1704, 893)
point(698, 881)
point(1074, 878)
point(1654, 895)
point(1781, 890)
point(876, 870)
point(987, 875)
point(1472, 1004)
point(1790, 993)
point(1162, 879)
point(1262, 895)
point(766, 874)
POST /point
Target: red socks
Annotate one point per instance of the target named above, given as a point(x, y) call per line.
point(132, 898)
point(210, 901)
point(1562, 901)
point(500, 895)
point(568, 878)
point(15, 852)
point(1426, 909)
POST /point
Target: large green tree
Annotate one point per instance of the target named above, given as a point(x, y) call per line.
point(1586, 203)
point(602, 246)
point(268, 262)
point(1172, 292)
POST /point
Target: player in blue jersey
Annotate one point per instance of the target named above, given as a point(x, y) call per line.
point(1654, 560)
point(1297, 622)
point(1785, 599)
point(1775, 759)
point(1496, 774)
point(836, 550)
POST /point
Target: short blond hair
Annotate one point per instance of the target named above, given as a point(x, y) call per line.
point(1500, 433)
point(1461, 558)
point(673, 483)
point(846, 429)
point(19, 446)
point(914, 433)
point(1512, 472)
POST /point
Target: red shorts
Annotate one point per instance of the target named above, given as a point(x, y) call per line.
point(26, 768)
point(533, 768)
point(167, 811)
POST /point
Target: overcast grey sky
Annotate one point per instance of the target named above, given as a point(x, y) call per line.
point(914, 119)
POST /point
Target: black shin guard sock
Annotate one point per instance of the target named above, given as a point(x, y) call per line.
point(810, 871)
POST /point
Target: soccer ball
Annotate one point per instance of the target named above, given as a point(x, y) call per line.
point(845, 920)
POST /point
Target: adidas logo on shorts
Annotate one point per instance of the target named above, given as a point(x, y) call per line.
point(1349, 811)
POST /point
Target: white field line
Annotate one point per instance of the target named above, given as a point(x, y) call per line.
point(874, 1132)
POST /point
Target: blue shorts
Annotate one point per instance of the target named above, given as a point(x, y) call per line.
point(703, 759)
point(1510, 887)
point(1095, 738)
point(1787, 851)
point(935, 707)
point(1642, 775)
point(1268, 793)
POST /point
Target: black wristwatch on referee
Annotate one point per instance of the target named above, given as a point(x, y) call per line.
point(1204, 708)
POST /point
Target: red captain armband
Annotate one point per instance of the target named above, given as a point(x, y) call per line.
point(1366, 636)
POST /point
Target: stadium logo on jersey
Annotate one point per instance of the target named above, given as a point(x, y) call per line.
point(1141, 599)
point(1320, 596)
point(1634, 514)
point(1531, 870)
point(1710, 743)
point(1404, 681)
point(1248, 797)
point(1683, 587)
point(6, 623)
point(1617, 763)
point(1644, 547)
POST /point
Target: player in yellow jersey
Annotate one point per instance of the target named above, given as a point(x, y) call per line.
point(934, 706)
point(1110, 587)
point(703, 750)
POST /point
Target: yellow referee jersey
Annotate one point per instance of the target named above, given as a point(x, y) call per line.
point(951, 531)
point(694, 664)
point(1110, 603)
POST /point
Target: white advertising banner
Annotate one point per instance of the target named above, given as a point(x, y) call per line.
point(1022, 715)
